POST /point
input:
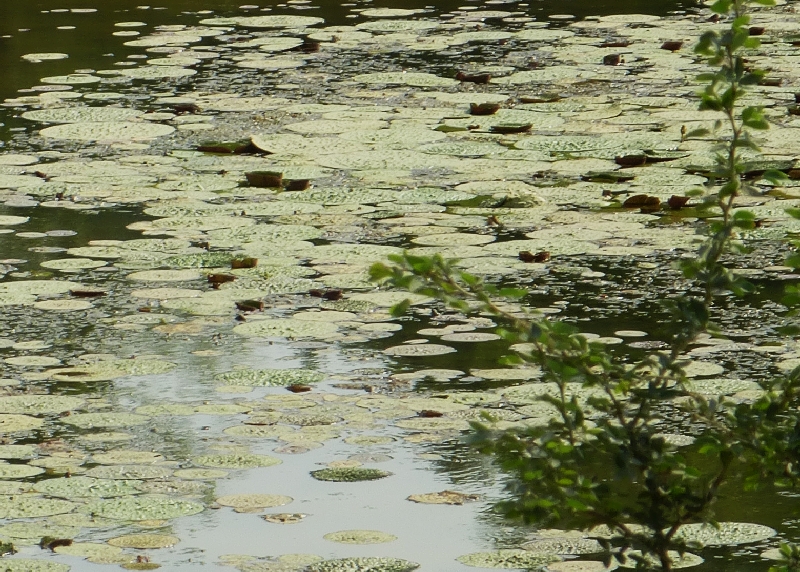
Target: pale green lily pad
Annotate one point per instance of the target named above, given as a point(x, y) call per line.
point(129, 472)
point(93, 551)
point(360, 537)
point(81, 114)
point(31, 506)
point(86, 487)
point(243, 461)
point(510, 558)
point(9, 471)
point(721, 386)
point(37, 530)
point(276, 21)
point(124, 457)
point(11, 423)
point(72, 264)
point(286, 328)
point(415, 79)
point(38, 404)
point(270, 377)
point(144, 541)
point(63, 305)
point(107, 131)
point(248, 501)
point(144, 507)
point(17, 451)
point(419, 350)
point(349, 474)
point(164, 275)
point(33, 565)
point(444, 497)
point(365, 564)
point(9, 220)
point(728, 533)
point(685, 560)
point(32, 361)
point(165, 409)
point(200, 474)
point(105, 420)
point(157, 72)
point(564, 546)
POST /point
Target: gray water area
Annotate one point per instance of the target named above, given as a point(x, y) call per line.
point(432, 535)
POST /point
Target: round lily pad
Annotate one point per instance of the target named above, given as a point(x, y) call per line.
point(86, 487)
point(93, 420)
point(243, 461)
point(270, 377)
point(144, 541)
point(419, 350)
point(360, 537)
point(685, 560)
point(30, 506)
point(10, 423)
point(286, 328)
point(728, 533)
point(253, 500)
point(144, 507)
point(510, 558)
point(107, 131)
point(349, 474)
point(362, 565)
point(33, 565)
point(38, 404)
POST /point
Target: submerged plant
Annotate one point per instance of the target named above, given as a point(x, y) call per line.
point(618, 469)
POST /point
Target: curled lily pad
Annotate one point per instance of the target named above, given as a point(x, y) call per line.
point(360, 537)
point(144, 507)
point(363, 565)
point(444, 497)
point(349, 474)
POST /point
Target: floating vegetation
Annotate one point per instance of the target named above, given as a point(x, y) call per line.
point(363, 565)
point(509, 558)
point(349, 474)
point(360, 537)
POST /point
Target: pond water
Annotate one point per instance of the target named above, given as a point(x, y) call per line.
point(155, 306)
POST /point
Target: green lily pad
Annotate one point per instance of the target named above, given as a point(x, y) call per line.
point(144, 541)
point(362, 565)
point(107, 131)
point(243, 461)
point(39, 404)
point(11, 423)
point(144, 507)
point(510, 558)
point(349, 474)
point(728, 533)
point(270, 377)
point(33, 565)
point(685, 560)
point(105, 420)
point(31, 506)
point(86, 487)
point(360, 537)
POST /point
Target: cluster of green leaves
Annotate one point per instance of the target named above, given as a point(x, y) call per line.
point(603, 460)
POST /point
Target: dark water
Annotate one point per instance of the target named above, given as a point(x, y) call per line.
point(33, 26)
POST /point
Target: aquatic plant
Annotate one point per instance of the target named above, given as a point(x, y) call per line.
point(618, 469)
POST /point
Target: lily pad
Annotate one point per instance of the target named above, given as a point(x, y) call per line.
point(243, 461)
point(270, 377)
point(349, 474)
point(360, 537)
point(510, 558)
point(144, 507)
point(728, 533)
point(365, 564)
point(107, 131)
point(144, 541)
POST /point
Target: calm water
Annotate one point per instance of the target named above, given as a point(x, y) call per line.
point(28, 27)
